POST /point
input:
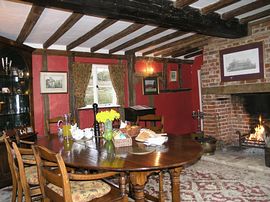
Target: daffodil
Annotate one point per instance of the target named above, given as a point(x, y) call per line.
point(103, 116)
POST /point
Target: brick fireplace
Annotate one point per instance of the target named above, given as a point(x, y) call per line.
point(225, 103)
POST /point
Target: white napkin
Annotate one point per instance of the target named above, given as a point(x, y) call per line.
point(123, 124)
point(156, 140)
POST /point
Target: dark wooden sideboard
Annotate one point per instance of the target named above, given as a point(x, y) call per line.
point(131, 113)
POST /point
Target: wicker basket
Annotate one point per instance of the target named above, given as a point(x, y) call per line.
point(132, 131)
point(123, 142)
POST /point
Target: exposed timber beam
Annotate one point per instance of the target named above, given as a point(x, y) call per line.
point(168, 60)
point(190, 55)
point(138, 39)
point(125, 32)
point(103, 25)
point(154, 12)
point(197, 43)
point(244, 9)
point(184, 51)
point(255, 16)
point(75, 17)
point(157, 41)
point(30, 22)
point(171, 44)
point(183, 3)
point(217, 5)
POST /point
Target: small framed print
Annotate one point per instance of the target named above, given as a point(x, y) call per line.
point(150, 86)
point(53, 82)
point(173, 75)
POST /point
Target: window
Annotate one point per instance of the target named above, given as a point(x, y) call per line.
point(100, 89)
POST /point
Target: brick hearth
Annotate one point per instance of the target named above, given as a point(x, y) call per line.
point(223, 108)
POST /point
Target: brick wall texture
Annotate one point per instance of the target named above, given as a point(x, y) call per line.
point(225, 114)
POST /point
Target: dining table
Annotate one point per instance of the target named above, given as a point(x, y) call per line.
point(138, 161)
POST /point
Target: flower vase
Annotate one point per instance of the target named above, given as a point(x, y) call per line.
point(108, 133)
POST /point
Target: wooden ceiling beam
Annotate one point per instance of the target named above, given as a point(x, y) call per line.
point(197, 43)
point(190, 55)
point(173, 43)
point(30, 22)
point(184, 51)
point(130, 29)
point(97, 29)
point(157, 41)
point(158, 13)
point(166, 60)
point(244, 9)
point(217, 5)
point(138, 39)
point(183, 3)
point(73, 18)
point(255, 16)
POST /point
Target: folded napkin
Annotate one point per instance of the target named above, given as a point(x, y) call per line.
point(156, 140)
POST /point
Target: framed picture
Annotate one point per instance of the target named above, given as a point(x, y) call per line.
point(173, 76)
point(150, 86)
point(242, 62)
point(53, 82)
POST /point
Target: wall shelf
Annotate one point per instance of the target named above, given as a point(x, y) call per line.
point(174, 90)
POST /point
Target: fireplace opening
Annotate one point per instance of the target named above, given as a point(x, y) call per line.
point(257, 107)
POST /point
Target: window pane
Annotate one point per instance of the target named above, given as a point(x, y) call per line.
point(89, 95)
point(105, 95)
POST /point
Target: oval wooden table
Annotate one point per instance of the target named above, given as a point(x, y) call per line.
point(138, 160)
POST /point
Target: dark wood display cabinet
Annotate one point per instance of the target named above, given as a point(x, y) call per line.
point(16, 103)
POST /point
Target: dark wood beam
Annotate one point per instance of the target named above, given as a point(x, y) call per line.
point(181, 49)
point(168, 45)
point(162, 60)
point(9, 42)
point(154, 12)
point(103, 25)
point(255, 16)
point(79, 54)
point(125, 32)
point(30, 22)
point(190, 55)
point(184, 52)
point(217, 5)
point(75, 17)
point(137, 39)
point(183, 3)
point(157, 41)
point(244, 9)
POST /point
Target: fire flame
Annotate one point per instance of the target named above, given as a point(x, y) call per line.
point(259, 132)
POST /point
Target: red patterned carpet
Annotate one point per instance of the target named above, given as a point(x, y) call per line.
point(211, 182)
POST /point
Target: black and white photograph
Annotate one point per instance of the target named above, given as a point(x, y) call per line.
point(173, 76)
point(53, 82)
point(242, 62)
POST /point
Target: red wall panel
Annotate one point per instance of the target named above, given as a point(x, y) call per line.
point(176, 107)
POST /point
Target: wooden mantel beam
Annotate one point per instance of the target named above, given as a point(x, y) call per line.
point(153, 12)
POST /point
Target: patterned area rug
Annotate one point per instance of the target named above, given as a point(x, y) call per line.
point(209, 182)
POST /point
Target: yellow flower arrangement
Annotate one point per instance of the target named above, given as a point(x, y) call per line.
point(103, 116)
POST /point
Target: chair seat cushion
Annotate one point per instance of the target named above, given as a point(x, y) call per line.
point(31, 175)
point(83, 191)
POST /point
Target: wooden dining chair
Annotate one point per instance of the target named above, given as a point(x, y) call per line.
point(51, 124)
point(28, 183)
point(68, 187)
point(155, 123)
point(29, 177)
point(151, 121)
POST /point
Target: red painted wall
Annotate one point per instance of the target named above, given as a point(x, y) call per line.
point(176, 107)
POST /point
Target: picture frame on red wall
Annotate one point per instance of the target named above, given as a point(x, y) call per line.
point(173, 76)
point(150, 85)
point(53, 82)
point(242, 62)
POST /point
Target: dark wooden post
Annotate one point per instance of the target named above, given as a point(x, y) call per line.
point(131, 69)
point(96, 125)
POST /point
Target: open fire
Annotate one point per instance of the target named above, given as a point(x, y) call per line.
point(259, 133)
point(255, 139)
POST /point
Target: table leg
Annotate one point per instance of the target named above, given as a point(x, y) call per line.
point(122, 185)
point(138, 180)
point(175, 178)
